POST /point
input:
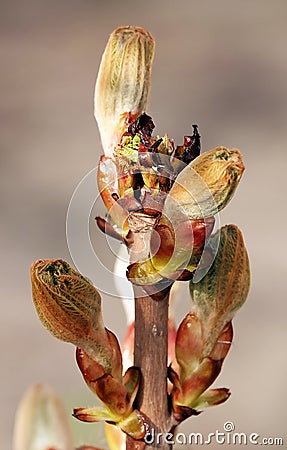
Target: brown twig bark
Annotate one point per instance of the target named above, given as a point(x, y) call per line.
point(150, 355)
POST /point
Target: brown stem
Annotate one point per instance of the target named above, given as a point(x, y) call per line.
point(151, 338)
point(151, 328)
point(150, 350)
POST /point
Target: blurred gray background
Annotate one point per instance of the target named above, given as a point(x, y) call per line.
point(219, 64)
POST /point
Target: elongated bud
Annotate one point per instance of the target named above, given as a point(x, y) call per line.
point(41, 422)
point(123, 83)
point(223, 290)
point(206, 185)
point(69, 306)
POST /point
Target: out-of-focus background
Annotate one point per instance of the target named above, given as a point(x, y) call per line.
point(221, 65)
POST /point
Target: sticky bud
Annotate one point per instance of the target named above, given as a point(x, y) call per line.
point(69, 306)
point(205, 186)
point(223, 290)
point(123, 83)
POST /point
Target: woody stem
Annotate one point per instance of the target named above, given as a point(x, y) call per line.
point(150, 355)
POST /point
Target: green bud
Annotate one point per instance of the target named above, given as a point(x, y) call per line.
point(123, 83)
point(223, 290)
point(69, 306)
point(205, 186)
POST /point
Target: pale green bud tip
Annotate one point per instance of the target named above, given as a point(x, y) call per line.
point(207, 184)
point(123, 83)
point(41, 422)
point(223, 290)
point(221, 169)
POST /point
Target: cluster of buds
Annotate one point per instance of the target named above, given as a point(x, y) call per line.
point(164, 197)
point(168, 193)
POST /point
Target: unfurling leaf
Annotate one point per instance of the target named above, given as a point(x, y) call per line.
point(69, 306)
point(223, 290)
point(123, 83)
